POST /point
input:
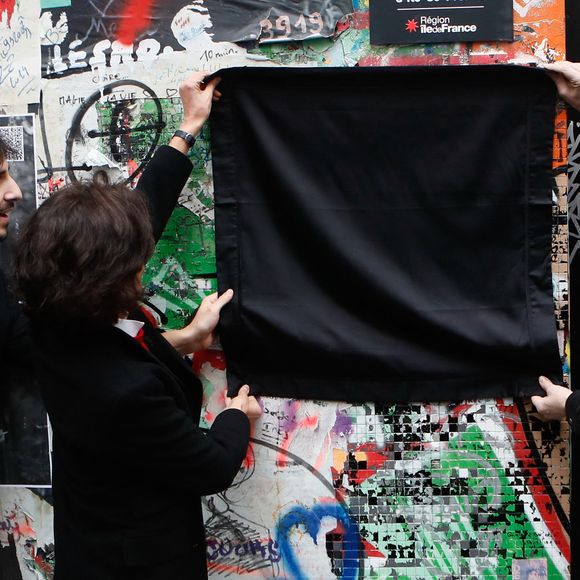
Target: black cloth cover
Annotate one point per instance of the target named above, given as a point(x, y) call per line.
point(386, 231)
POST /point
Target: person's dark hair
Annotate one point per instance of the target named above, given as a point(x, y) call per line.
point(80, 253)
point(6, 150)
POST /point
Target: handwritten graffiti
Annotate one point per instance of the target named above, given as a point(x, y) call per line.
point(266, 549)
point(125, 128)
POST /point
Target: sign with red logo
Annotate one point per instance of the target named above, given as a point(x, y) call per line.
point(431, 21)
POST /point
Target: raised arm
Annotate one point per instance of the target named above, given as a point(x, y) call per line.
point(166, 174)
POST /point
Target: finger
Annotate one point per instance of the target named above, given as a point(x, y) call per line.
point(568, 69)
point(558, 66)
point(211, 84)
point(537, 401)
point(561, 84)
point(558, 78)
point(224, 299)
point(545, 383)
point(244, 392)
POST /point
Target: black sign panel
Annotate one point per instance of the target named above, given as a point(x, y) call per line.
point(427, 21)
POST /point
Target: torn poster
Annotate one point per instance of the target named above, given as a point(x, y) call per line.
point(386, 231)
point(88, 33)
point(19, 53)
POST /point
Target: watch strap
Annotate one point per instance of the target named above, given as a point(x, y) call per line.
point(187, 137)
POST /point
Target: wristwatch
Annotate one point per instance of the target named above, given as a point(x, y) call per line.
point(187, 137)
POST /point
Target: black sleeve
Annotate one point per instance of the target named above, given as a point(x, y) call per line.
point(573, 411)
point(162, 181)
point(166, 446)
point(17, 342)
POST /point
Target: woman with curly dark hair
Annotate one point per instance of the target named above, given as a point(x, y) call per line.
point(129, 461)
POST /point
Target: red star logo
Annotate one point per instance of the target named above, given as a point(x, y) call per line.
point(411, 26)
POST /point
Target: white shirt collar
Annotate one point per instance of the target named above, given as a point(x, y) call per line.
point(131, 327)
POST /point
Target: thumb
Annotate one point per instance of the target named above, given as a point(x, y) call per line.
point(545, 383)
point(212, 84)
point(244, 392)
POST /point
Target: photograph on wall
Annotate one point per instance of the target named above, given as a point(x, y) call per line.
point(24, 455)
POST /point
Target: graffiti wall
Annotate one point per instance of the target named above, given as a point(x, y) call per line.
point(434, 489)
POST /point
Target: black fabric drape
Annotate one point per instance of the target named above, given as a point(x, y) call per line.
point(386, 231)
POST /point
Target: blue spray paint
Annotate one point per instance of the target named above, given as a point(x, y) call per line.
point(311, 519)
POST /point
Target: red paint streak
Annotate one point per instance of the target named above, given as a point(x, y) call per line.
point(8, 7)
point(310, 422)
point(249, 458)
point(533, 478)
point(460, 409)
point(281, 458)
point(360, 20)
point(319, 463)
point(54, 184)
point(26, 531)
point(44, 566)
point(342, 26)
point(488, 58)
point(132, 166)
point(370, 550)
point(134, 20)
point(434, 59)
point(237, 570)
point(386, 60)
point(374, 460)
point(214, 357)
